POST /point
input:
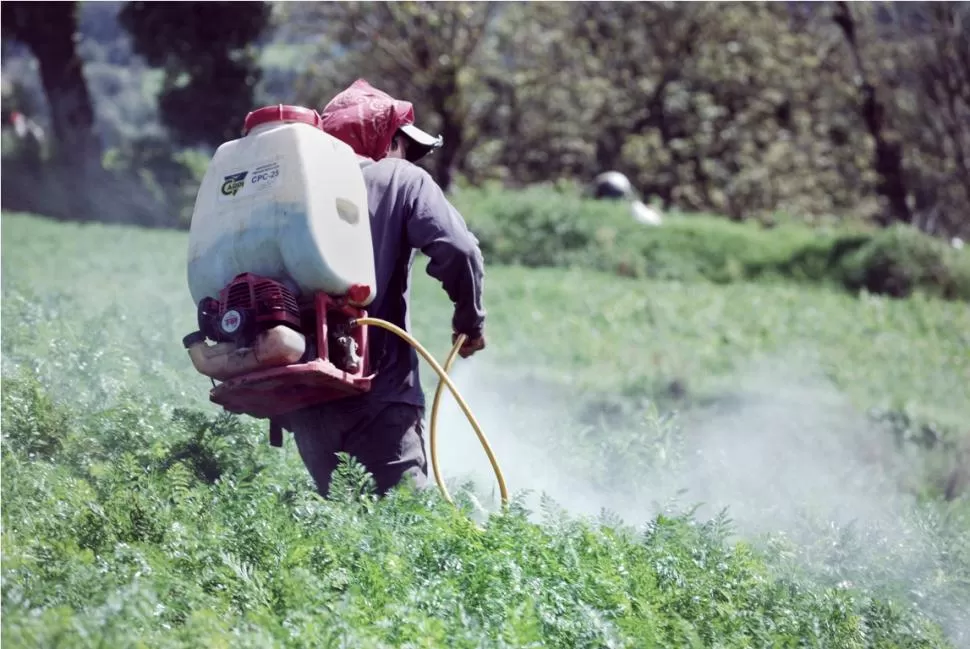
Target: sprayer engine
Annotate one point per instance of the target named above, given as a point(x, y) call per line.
point(246, 307)
point(276, 351)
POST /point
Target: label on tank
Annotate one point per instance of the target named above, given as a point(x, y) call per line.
point(246, 182)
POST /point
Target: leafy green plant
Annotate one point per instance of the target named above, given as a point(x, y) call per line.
point(136, 514)
point(900, 260)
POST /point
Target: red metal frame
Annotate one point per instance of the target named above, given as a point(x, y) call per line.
point(276, 391)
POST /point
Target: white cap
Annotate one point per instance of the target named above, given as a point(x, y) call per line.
point(425, 142)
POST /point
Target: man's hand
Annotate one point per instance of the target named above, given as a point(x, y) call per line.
point(470, 346)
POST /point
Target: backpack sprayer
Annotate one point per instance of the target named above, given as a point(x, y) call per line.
point(280, 233)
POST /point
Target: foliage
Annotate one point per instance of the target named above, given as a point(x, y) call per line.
point(152, 529)
point(898, 260)
point(142, 182)
point(389, 42)
point(692, 331)
point(210, 68)
point(145, 177)
point(550, 227)
point(136, 515)
point(744, 110)
point(49, 30)
point(167, 176)
point(713, 123)
point(124, 544)
point(914, 64)
point(740, 110)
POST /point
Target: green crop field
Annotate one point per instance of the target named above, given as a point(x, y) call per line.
point(694, 464)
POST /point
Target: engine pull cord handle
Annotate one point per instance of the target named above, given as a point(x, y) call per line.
point(444, 380)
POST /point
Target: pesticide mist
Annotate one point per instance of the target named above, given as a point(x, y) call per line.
point(796, 469)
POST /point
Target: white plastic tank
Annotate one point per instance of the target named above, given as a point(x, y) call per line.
point(285, 201)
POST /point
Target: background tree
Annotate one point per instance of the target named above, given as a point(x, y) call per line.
point(888, 154)
point(48, 29)
point(747, 110)
point(921, 53)
point(206, 50)
point(423, 52)
point(733, 109)
point(940, 123)
point(546, 116)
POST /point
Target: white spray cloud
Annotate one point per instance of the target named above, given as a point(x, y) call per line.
point(782, 450)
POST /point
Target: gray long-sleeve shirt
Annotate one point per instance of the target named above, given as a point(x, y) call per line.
point(410, 212)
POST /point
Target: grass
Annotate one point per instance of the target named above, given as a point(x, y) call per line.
point(135, 514)
point(541, 226)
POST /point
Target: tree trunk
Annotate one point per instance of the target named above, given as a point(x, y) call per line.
point(48, 28)
point(443, 161)
point(888, 158)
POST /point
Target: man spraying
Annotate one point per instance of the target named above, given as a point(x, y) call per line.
point(383, 428)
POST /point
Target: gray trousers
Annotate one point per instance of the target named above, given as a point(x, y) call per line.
point(388, 441)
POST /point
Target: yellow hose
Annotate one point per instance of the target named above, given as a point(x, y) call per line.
point(459, 341)
point(445, 380)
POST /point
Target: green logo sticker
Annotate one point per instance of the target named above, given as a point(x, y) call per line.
point(232, 183)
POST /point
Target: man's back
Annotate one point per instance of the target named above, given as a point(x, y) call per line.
point(409, 212)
